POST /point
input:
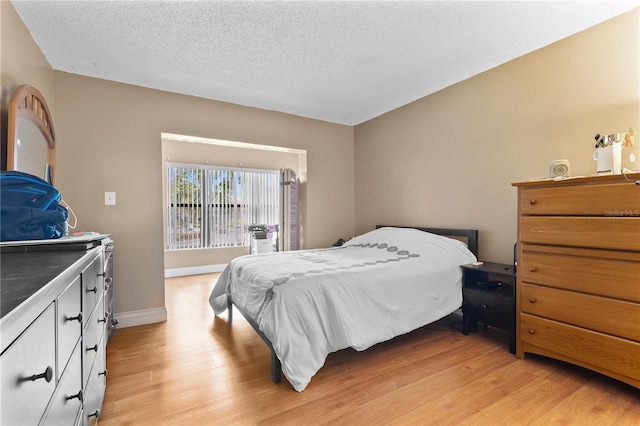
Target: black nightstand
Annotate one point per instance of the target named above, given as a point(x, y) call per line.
point(488, 293)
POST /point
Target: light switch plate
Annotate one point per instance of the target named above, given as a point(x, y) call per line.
point(109, 198)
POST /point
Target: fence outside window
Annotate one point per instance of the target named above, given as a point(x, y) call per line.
point(212, 206)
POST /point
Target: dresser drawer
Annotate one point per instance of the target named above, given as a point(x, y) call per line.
point(69, 322)
point(67, 401)
point(615, 317)
point(604, 277)
point(95, 391)
point(621, 233)
point(92, 340)
point(583, 200)
point(92, 286)
point(588, 347)
point(33, 353)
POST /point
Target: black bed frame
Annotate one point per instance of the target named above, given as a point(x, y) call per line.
point(470, 236)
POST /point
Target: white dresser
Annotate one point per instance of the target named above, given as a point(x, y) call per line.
point(53, 335)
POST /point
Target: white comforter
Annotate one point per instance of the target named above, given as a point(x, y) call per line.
point(313, 302)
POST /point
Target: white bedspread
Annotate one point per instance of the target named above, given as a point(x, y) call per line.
point(378, 285)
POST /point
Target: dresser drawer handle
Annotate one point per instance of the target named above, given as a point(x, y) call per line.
point(79, 396)
point(93, 348)
point(532, 300)
point(76, 318)
point(532, 202)
point(95, 414)
point(108, 280)
point(93, 290)
point(485, 307)
point(47, 376)
point(533, 269)
point(532, 331)
point(102, 320)
point(103, 373)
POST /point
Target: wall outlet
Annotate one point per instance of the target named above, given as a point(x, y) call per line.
point(109, 198)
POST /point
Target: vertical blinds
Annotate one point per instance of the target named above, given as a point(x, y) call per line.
point(212, 206)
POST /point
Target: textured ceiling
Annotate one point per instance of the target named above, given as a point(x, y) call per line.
point(342, 62)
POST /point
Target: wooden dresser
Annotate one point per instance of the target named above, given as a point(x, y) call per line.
point(578, 273)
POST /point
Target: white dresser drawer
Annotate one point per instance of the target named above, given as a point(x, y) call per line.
point(92, 341)
point(67, 401)
point(29, 372)
point(92, 285)
point(95, 389)
point(69, 323)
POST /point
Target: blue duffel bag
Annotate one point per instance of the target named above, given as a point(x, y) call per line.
point(29, 208)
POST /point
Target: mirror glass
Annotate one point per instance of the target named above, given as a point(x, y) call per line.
point(31, 151)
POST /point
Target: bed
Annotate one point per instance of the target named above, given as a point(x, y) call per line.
point(307, 304)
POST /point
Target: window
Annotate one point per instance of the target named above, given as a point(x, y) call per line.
point(212, 206)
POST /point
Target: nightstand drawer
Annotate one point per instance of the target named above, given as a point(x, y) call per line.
point(591, 200)
point(622, 233)
point(615, 317)
point(589, 347)
point(488, 307)
point(600, 276)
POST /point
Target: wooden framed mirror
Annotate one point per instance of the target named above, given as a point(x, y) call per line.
point(30, 134)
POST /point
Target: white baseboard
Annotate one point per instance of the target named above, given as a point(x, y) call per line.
point(145, 316)
point(193, 270)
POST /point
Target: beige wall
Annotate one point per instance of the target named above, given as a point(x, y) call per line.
point(21, 62)
point(110, 140)
point(448, 159)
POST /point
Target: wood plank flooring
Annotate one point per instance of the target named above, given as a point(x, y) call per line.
point(195, 370)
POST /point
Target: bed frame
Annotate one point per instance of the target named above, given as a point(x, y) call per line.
point(468, 236)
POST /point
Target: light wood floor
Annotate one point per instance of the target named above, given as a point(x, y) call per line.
point(194, 369)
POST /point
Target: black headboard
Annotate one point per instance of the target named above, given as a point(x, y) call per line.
point(469, 236)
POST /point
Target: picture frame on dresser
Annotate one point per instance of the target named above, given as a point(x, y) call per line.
point(578, 281)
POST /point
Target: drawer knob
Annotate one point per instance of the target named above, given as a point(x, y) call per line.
point(104, 274)
point(47, 376)
point(532, 331)
point(92, 290)
point(485, 307)
point(79, 396)
point(103, 373)
point(533, 269)
point(76, 318)
point(532, 300)
point(95, 414)
point(102, 320)
point(532, 202)
point(108, 280)
point(93, 348)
